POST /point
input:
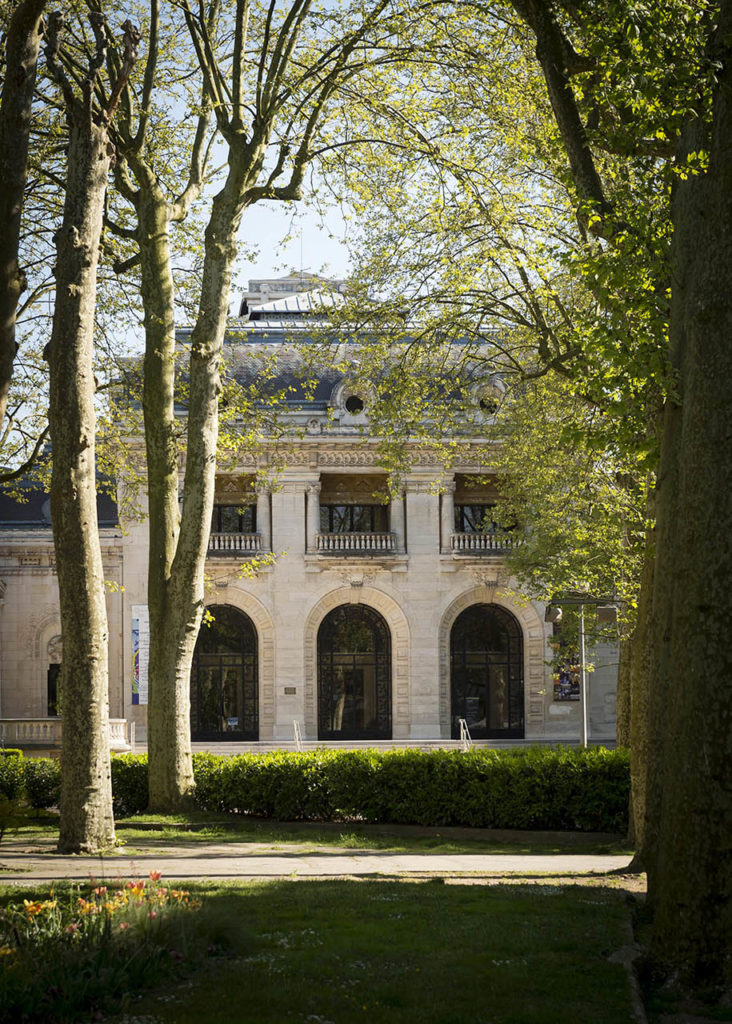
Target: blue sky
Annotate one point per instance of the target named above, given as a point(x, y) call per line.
point(308, 245)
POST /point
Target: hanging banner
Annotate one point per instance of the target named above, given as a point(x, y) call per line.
point(140, 652)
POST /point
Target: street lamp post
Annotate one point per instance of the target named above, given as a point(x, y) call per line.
point(584, 713)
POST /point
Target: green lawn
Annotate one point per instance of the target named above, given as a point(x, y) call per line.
point(143, 830)
point(387, 952)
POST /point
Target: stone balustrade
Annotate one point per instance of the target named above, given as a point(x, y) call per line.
point(234, 543)
point(46, 732)
point(475, 543)
point(355, 543)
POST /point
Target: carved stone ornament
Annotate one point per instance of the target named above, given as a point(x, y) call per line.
point(356, 578)
point(314, 426)
point(54, 648)
point(491, 579)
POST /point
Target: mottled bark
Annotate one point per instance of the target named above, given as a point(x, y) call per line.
point(176, 597)
point(21, 59)
point(171, 646)
point(622, 701)
point(641, 744)
point(176, 604)
point(87, 823)
point(691, 870)
point(86, 794)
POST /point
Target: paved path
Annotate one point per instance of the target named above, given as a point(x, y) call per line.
point(21, 863)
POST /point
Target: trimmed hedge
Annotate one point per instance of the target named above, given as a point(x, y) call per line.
point(11, 775)
point(129, 784)
point(42, 782)
point(526, 788)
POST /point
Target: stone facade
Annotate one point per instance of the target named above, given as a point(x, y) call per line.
point(409, 565)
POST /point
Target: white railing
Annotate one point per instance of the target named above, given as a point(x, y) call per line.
point(498, 541)
point(363, 543)
point(46, 732)
point(222, 543)
point(466, 740)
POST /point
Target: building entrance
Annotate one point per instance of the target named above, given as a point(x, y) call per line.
point(354, 675)
point(486, 673)
point(224, 683)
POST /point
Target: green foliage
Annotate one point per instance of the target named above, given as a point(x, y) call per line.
point(11, 776)
point(129, 784)
point(42, 779)
point(526, 788)
point(11, 752)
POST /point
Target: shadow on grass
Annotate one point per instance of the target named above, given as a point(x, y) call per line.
point(336, 952)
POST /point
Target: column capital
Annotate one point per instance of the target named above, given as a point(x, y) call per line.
point(314, 488)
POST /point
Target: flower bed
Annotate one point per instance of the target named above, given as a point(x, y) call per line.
point(84, 951)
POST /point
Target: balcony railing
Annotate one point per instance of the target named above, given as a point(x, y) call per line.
point(355, 543)
point(474, 543)
point(234, 543)
point(46, 732)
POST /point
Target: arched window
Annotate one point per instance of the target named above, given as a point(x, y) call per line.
point(486, 673)
point(224, 686)
point(354, 675)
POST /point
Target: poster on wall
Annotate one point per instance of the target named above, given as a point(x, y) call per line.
point(140, 652)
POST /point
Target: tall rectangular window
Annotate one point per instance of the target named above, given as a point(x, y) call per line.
point(234, 519)
point(474, 519)
point(354, 519)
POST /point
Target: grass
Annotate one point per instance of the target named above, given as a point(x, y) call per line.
point(145, 830)
point(199, 827)
point(387, 952)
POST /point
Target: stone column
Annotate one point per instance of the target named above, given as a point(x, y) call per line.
point(313, 515)
point(396, 517)
point(264, 522)
point(447, 516)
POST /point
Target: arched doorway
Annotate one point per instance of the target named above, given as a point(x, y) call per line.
point(354, 675)
point(486, 673)
point(224, 683)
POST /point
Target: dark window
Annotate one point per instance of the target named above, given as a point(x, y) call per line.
point(54, 674)
point(486, 673)
point(224, 682)
point(478, 519)
point(353, 519)
point(474, 519)
point(354, 404)
point(354, 675)
point(234, 519)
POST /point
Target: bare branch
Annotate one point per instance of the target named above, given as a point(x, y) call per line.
point(14, 474)
point(123, 266)
point(552, 49)
point(54, 30)
point(131, 41)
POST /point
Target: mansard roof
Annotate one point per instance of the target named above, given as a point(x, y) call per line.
point(26, 505)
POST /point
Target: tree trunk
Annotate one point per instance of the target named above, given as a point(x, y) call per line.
point(176, 594)
point(87, 823)
point(641, 747)
point(622, 729)
point(21, 59)
point(690, 874)
point(169, 745)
